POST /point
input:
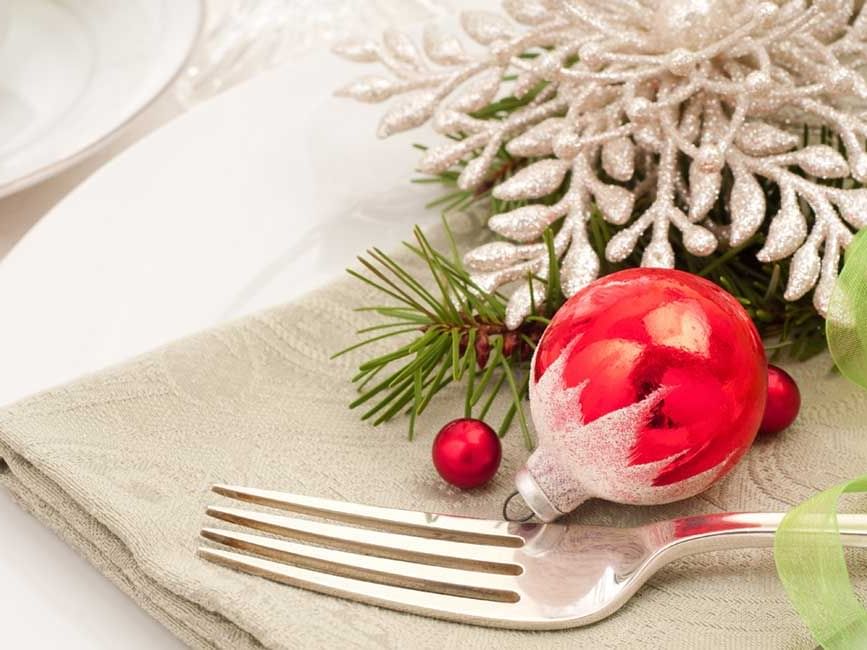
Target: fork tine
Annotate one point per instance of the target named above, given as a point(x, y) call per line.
point(420, 524)
point(454, 582)
point(445, 553)
point(409, 600)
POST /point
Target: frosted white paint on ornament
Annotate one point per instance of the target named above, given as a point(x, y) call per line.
point(576, 461)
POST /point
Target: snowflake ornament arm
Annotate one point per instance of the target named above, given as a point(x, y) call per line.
point(659, 100)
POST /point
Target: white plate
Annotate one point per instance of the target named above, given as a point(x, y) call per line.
point(247, 201)
point(73, 72)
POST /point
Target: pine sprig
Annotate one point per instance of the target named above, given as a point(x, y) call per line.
point(453, 333)
point(792, 330)
point(457, 331)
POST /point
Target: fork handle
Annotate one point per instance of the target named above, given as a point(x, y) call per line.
point(732, 530)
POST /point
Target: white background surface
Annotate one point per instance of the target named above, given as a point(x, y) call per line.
point(50, 596)
point(246, 201)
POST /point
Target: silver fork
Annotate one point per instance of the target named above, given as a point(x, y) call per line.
point(482, 571)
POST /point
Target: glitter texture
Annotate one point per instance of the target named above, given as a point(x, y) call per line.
point(656, 100)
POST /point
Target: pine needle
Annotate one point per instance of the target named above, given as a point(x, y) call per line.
point(457, 331)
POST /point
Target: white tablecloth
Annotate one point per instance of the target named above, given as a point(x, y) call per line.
point(45, 585)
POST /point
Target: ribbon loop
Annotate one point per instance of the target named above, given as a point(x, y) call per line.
point(807, 546)
point(811, 564)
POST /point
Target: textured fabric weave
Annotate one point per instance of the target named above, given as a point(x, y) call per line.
point(119, 463)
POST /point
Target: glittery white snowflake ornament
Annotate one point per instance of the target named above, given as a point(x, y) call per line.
point(672, 104)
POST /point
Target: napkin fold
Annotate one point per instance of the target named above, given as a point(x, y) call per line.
point(119, 463)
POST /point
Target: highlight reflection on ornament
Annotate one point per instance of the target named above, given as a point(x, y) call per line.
point(647, 386)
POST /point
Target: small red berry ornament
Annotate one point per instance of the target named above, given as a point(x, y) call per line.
point(784, 401)
point(647, 386)
point(466, 453)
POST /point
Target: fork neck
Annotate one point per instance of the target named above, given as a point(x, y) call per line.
point(746, 527)
point(733, 530)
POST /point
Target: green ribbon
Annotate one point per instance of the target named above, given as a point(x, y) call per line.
point(811, 564)
point(807, 547)
point(846, 324)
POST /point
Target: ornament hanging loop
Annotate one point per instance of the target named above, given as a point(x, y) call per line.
point(511, 518)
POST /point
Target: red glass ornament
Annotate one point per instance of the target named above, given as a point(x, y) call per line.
point(466, 453)
point(648, 385)
point(784, 401)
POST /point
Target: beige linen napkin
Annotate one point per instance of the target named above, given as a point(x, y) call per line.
point(119, 463)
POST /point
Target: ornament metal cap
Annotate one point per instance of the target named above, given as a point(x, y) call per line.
point(535, 497)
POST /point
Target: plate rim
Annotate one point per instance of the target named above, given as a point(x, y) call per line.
point(197, 7)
